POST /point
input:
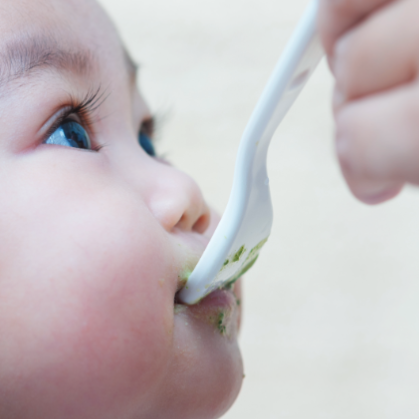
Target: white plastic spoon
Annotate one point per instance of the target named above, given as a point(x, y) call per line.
point(247, 220)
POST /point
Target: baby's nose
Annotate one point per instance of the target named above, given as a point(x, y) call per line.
point(177, 201)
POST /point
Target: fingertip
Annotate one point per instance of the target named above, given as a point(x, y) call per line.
point(365, 188)
point(376, 197)
point(343, 153)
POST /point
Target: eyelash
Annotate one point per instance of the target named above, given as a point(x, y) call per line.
point(84, 110)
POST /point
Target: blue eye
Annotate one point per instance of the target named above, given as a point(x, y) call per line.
point(147, 144)
point(70, 134)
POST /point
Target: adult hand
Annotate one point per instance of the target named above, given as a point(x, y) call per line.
point(373, 52)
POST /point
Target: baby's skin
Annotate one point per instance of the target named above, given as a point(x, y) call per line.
point(373, 51)
point(97, 236)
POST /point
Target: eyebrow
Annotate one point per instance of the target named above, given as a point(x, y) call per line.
point(22, 57)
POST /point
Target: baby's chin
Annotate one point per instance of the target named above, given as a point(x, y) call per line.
point(206, 369)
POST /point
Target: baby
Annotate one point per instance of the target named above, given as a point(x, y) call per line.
point(98, 235)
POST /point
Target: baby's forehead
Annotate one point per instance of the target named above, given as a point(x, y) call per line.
point(67, 23)
point(58, 38)
point(21, 14)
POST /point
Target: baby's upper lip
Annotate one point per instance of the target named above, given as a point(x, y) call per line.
point(196, 246)
point(219, 298)
point(183, 276)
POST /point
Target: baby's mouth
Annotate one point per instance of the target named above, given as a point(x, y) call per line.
point(220, 297)
point(216, 306)
point(217, 309)
point(220, 308)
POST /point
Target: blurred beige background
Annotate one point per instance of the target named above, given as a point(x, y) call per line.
point(331, 322)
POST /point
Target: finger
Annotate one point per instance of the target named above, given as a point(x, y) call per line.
point(338, 100)
point(378, 143)
point(372, 192)
point(368, 191)
point(380, 53)
point(337, 16)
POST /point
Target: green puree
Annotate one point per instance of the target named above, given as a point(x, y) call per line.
point(184, 276)
point(249, 262)
point(236, 257)
point(238, 254)
point(255, 251)
point(220, 323)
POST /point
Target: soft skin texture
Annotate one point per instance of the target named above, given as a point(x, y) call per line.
point(372, 47)
point(94, 243)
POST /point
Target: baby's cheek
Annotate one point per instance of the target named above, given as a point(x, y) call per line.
point(129, 330)
point(94, 315)
point(88, 352)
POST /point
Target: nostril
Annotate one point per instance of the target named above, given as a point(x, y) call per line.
point(182, 222)
point(178, 203)
point(201, 223)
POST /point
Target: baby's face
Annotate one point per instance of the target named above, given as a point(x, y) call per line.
point(96, 237)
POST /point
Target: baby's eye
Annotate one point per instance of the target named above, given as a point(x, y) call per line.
point(145, 137)
point(147, 144)
point(70, 134)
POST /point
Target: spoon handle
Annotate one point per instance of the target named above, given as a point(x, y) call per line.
point(298, 61)
point(247, 220)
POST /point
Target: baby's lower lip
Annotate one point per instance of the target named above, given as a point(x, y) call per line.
point(218, 309)
point(219, 299)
